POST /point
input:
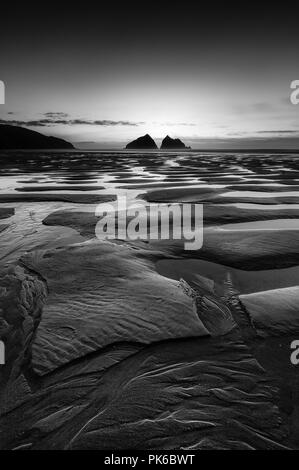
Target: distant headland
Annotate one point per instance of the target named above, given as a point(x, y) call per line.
point(146, 142)
point(14, 137)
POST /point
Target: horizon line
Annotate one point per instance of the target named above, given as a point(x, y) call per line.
point(113, 149)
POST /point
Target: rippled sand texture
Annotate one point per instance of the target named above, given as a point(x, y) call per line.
point(143, 345)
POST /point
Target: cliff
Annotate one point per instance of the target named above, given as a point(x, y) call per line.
point(14, 137)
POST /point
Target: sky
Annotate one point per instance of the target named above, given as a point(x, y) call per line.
point(216, 77)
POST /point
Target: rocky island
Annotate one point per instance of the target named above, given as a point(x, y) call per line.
point(144, 142)
point(15, 137)
point(169, 143)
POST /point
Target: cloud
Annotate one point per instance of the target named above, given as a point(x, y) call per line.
point(56, 115)
point(283, 131)
point(276, 132)
point(33, 123)
point(45, 122)
point(59, 118)
point(104, 122)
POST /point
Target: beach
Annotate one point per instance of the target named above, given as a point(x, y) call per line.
point(142, 344)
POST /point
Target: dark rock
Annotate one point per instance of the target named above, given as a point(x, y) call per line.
point(169, 143)
point(144, 142)
point(14, 137)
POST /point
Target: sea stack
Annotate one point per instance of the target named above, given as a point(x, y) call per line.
point(145, 142)
point(15, 137)
point(169, 143)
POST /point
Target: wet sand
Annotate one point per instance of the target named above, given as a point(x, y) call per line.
point(241, 281)
point(169, 348)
